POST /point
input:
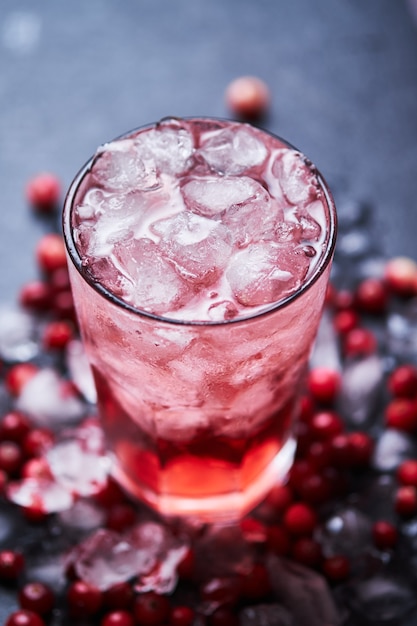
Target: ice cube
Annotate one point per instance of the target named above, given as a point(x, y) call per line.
point(44, 495)
point(80, 370)
point(382, 599)
point(264, 274)
point(296, 176)
point(47, 400)
point(347, 531)
point(211, 195)
point(402, 331)
point(157, 286)
point(233, 151)
point(303, 592)
point(47, 569)
point(362, 382)
point(18, 341)
point(391, 449)
point(266, 615)
point(120, 166)
point(83, 516)
point(170, 145)
point(198, 247)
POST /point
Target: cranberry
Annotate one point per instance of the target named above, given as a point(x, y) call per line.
point(110, 494)
point(359, 342)
point(362, 447)
point(299, 471)
point(253, 530)
point(118, 618)
point(341, 450)
point(11, 565)
point(278, 540)
point(224, 617)
point(151, 609)
point(371, 296)
point(407, 473)
point(63, 305)
point(306, 409)
point(50, 253)
point(59, 280)
point(319, 454)
point(402, 382)
point(181, 616)
point(345, 321)
point(24, 618)
point(38, 441)
point(248, 97)
point(401, 276)
point(35, 296)
point(36, 597)
point(343, 300)
point(185, 568)
point(401, 413)
point(18, 376)
point(307, 551)
point(324, 384)
point(300, 519)
point(119, 597)
point(326, 425)
point(255, 583)
point(280, 497)
point(224, 591)
point(14, 427)
point(315, 489)
point(57, 335)
point(120, 517)
point(83, 599)
point(11, 457)
point(336, 568)
point(405, 503)
point(385, 535)
point(43, 192)
point(36, 468)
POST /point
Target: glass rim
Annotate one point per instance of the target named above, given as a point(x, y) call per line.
point(76, 260)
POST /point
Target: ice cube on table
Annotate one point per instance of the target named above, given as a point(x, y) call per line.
point(296, 177)
point(83, 516)
point(392, 448)
point(231, 151)
point(18, 339)
point(362, 382)
point(43, 495)
point(382, 599)
point(347, 531)
point(401, 330)
point(266, 615)
point(211, 195)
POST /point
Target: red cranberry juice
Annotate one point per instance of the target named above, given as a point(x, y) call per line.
point(201, 256)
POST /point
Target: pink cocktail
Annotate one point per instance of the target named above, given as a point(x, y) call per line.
point(199, 255)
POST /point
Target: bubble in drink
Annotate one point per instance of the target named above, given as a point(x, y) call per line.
point(201, 253)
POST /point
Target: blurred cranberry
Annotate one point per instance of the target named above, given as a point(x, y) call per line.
point(371, 296)
point(50, 253)
point(35, 296)
point(324, 384)
point(403, 381)
point(401, 276)
point(248, 97)
point(43, 192)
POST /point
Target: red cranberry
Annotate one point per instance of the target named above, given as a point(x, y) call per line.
point(118, 618)
point(371, 296)
point(306, 409)
point(38, 441)
point(255, 583)
point(35, 296)
point(359, 342)
point(345, 321)
point(280, 497)
point(307, 551)
point(300, 519)
point(11, 565)
point(151, 609)
point(185, 568)
point(181, 616)
point(319, 454)
point(248, 97)
point(50, 253)
point(326, 425)
point(14, 427)
point(341, 450)
point(120, 517)
point(315, 489)
point(385, 535)
point(24, 618)
point(119, 597)
point(84, 600)
point(37, 597)
point(59, 280)
point(224, 617)
point(301, 468)
point(18, 376)
point(336, 568)
point(405, 503)
point(401, 276)
point(401, 413)
point(224, 591)
point(278, 540)
point(63, 305)
point(344, 299)
point(57, 335)
point(43, 192)
point(110, 494)
point(362, 447)
point(324, 384)
point(407, 473)
point(402, 382)
point(253, 530)
point(36, 468)
point(11, 457)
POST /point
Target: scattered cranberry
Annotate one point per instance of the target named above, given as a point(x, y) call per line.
point(343, 300)
point(185, 568)
point(336, 568)
point(371, 296)
point(37, 597)
point(57, 335)
point(253, 530)
point(306, 409)
point(278, 540)
point(35, 296)
point(24, 618)
point(63, 305)
point(345, 321)
point(11, 565)
point(402, 382)
point(300, 519)
point(118, 618)
point(326, 425)
point(119, 597)
point(401, 276)
point(38, 441)
point(50, 253)
point(279, 498)
point(341, 450)
point(59, 280)
point(14, 427)
point(301, 468)
point(307, 551)
point(43, 192)
point(359, 342)
point(362, 447)
point(319, 455)
point(110, 494)
point(181, 616)
point(324, 384)
point(401, 413)
point(223, 591)
point(407, 473)
point(385, 535)
point(84, 600)
point(37, 467)
point(315, 489)
point(248, 97)
point(120, 517)
point(151, 609)
point(11, 457)
point(405, 503)
point(255, 583)
point(18, 376)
